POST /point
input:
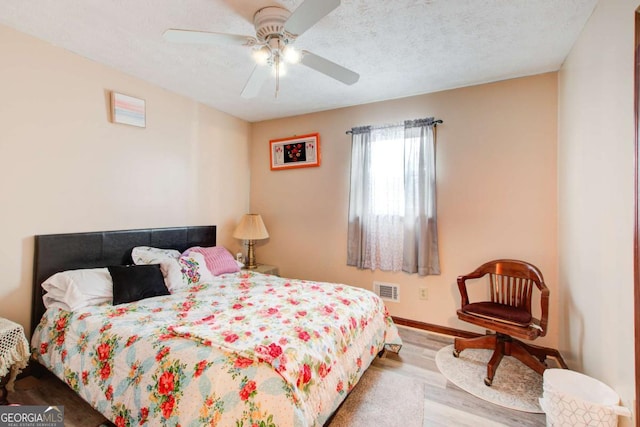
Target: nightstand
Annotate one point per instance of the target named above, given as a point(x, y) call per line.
point(14, 355)
point(266, 269)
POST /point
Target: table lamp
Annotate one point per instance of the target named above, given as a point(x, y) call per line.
point(251, 228)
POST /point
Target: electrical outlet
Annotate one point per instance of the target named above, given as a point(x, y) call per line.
point(423, 293)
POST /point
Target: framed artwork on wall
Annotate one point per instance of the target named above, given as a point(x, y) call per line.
point(127, 110)
point(301, 151)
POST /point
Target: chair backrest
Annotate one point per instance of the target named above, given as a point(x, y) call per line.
point(512, 282)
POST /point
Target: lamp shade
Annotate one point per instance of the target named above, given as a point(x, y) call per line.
point(251, 227)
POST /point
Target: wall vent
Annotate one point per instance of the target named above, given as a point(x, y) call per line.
point(387, 291)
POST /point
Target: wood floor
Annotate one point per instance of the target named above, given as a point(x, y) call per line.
point(451, 406)
point(447, 405)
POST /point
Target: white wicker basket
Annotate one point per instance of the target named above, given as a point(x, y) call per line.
point(575, 400)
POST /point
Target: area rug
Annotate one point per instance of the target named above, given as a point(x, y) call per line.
point(377, 391)
point(515, 386)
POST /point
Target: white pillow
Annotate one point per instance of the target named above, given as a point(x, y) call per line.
point(74, 289)
point(149, 255)
point(168, 260)
point(194, 269)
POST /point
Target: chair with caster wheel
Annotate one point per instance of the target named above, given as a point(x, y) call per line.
point(507, 313)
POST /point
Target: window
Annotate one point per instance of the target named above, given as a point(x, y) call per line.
point(387, 174)
point(392, 215)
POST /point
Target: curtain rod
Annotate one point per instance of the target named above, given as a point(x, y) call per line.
point(435, 123)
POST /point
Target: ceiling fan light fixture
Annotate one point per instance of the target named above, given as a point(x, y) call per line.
point(291, 54)
point(276, 30)
point(279, 69)
point(261, 55)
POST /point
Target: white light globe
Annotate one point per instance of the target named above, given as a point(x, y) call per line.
point(261, 56)
point(291, 55)
point(280, 67)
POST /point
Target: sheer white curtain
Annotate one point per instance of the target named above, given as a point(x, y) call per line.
point(392, 211)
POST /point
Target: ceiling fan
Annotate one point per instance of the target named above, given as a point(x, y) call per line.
point(276, 30)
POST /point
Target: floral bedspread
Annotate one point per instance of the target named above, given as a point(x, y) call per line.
point(245, 350)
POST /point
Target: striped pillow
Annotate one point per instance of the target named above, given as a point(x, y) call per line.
point(218, 259)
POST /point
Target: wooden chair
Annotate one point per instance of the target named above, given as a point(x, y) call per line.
point(508, 313)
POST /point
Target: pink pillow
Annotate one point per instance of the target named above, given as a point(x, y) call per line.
point(218, 259)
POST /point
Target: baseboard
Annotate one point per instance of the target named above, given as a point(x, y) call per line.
point(453, 332)
point(429, 327)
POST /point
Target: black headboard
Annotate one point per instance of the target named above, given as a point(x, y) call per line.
point(59, 252)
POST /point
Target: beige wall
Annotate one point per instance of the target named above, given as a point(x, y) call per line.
point(496, 177)
point(65, 168)
point(595, 177)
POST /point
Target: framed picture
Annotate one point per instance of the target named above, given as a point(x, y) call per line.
point(127, 110)
point(295, 152)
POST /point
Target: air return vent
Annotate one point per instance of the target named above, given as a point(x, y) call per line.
point(387, 291)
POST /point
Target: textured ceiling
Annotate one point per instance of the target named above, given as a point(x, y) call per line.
point(400, 48)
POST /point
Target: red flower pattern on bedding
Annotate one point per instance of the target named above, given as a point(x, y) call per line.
point(273, 338)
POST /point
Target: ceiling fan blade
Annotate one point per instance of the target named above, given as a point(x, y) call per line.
point(257, 78)
point(188, 36)
point(329, 68)
point(307, 14)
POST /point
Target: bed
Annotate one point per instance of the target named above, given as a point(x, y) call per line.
point(233, 349)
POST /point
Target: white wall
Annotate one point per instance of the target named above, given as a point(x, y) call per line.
point(596, 193)
point(64, 167)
